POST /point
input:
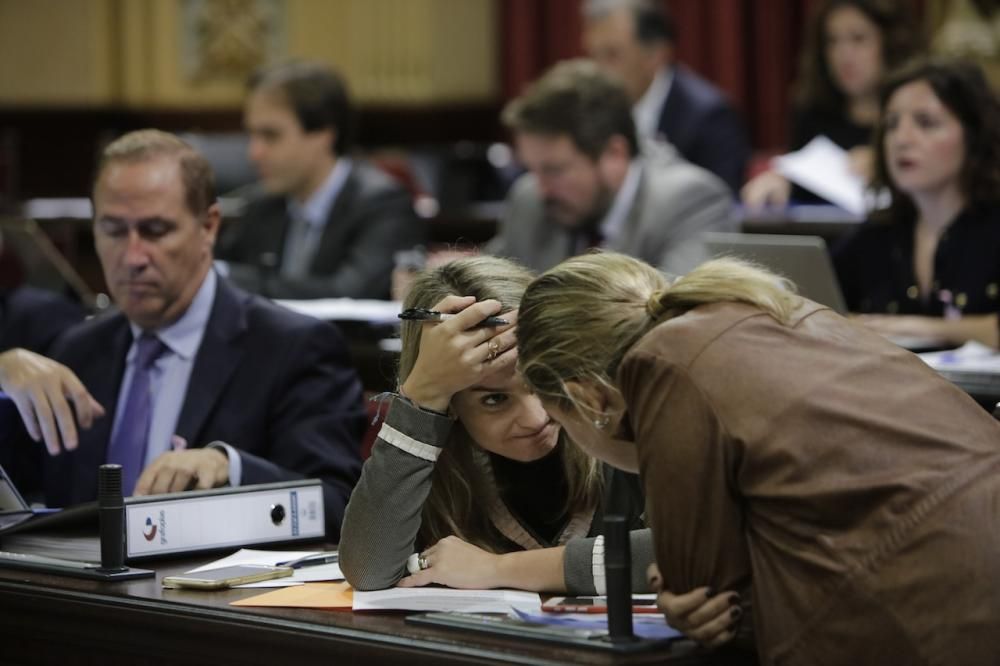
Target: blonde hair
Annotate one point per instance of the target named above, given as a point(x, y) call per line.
point(578, 320)
point(457, 504)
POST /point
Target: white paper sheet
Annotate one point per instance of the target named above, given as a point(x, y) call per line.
point(446, 599)
point(970, 357)
point(321, 572)
point(822, 167)
point(347, 309)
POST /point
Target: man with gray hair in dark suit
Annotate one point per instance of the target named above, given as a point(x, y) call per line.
point(191, 382)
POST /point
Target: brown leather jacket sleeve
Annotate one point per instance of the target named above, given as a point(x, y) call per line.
point(689, 469)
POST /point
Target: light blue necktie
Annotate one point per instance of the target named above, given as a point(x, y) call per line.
point(299, 247)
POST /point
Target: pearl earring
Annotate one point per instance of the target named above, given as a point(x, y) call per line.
point(602, 421)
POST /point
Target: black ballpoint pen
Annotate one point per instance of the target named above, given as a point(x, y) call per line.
point(311, 560)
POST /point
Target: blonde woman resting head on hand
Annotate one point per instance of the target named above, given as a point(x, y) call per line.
point(469, 473)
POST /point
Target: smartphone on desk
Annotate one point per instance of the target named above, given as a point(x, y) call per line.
point(218, 579)
point(641, 603)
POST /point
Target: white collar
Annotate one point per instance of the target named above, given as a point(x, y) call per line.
point(316, 209)
point(183, 337)
point(614, 219)
point(646, 111)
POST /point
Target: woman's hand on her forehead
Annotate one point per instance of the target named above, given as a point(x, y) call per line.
point(458, 353)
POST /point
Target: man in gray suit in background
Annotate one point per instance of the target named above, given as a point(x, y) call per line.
point(591, 184)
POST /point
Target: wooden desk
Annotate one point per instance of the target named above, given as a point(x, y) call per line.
point(51, 619)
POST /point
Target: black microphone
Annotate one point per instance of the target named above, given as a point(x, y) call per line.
point(618, 576)
point(111, 510)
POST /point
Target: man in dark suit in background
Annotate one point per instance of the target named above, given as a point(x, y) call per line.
point(30, 317)
point(194, 383)
point(635, 40)
point(33, 318)
point(326, 225)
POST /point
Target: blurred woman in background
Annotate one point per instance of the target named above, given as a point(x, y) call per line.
point(849, 46)
point(930, 262)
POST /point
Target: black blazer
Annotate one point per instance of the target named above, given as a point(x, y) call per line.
point(274, 384)
point(703, 126)
point(33, 318)
point(371, 219)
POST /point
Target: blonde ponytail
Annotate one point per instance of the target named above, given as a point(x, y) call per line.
point(726, 279)
point(578, 319)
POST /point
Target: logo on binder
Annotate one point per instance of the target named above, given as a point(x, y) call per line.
point(149, 533)
point(151, 530)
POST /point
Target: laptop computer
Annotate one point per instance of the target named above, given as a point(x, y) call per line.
point(16, 515)
point(802, 259)
point(15, 512)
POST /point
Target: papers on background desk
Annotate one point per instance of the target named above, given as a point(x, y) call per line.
point(973, 357)
point(321, 572)
point(347, 309)
point(822, 167)
point(447, 599)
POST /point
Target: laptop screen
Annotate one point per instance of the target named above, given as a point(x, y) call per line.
point(802, 259)
point(13, 508)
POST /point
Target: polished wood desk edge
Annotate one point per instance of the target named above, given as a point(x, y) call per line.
point(445, 644)
point(247, 616)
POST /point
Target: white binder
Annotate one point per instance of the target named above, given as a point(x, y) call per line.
point(193, 521)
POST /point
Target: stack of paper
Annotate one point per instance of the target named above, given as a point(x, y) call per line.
point(340, 595)
point(447, 599)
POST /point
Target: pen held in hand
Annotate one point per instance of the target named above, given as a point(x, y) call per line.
point(422, 314)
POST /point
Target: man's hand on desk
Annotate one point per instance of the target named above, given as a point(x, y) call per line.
point(198, 469)
point(43, 390)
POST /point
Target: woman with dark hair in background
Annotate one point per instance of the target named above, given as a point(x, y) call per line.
point(929, 264)
point(850, 45)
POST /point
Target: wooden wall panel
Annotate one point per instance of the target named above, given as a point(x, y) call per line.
point(196, 54)
point(57, 52)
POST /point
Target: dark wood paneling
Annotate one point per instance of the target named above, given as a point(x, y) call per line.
point(51, 153)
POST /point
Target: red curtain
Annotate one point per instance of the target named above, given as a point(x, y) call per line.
point(749, 48)
point(536, 34)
